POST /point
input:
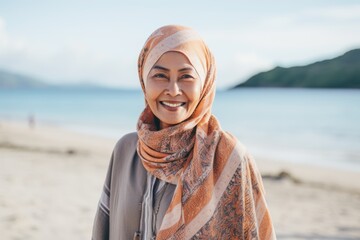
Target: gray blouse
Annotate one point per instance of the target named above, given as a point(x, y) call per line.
point(133, 202)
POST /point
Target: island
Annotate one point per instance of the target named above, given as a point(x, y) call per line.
point(339, 72)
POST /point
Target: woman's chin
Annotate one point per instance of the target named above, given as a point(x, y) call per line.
point(169, 123)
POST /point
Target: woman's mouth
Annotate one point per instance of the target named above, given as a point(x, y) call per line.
point(172, 106)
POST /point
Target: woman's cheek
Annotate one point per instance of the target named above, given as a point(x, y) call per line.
point(195, 92)
point(151, 92)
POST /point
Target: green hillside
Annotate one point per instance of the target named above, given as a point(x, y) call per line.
point(11, 80)
point(339, 72)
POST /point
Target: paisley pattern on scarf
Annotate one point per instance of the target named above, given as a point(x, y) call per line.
point(219, 193)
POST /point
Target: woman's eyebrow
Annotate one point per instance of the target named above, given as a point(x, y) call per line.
point(161, 68)
point(167, 70)
point(185, 69)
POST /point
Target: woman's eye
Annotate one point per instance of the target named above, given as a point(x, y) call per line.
point(159, 75)
point(187, 76)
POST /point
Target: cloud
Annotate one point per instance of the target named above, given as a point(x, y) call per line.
point(65, 62)
point(8, 45)
point(349, 12)
point(240, 67)
point(287, 39)
point(243, 43)
point(249, 63)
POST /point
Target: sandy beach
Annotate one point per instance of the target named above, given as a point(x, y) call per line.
point(51, 181)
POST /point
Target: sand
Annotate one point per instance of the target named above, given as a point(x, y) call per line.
point(51, 181)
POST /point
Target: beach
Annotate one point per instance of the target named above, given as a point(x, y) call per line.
point(51, 180)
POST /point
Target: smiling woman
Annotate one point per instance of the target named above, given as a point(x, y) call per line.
point(172, 89)
point(180, 176)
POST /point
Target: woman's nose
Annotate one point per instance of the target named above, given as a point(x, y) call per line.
point(173, 88)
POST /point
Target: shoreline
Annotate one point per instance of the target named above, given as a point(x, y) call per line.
point(270, 168)
point(51, 180)
point(115, 134)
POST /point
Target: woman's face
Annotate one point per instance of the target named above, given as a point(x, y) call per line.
point(173, 89)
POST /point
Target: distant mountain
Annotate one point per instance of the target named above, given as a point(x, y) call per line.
point(11, 80)
point(339, 72)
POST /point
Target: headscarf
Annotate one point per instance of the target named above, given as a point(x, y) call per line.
point(219, 192)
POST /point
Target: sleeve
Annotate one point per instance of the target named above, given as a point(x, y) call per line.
point(101, 223)
point(258, 223)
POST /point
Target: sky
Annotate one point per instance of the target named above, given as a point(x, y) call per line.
point(72, 41)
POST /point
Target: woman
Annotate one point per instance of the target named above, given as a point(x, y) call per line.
point(180, 176)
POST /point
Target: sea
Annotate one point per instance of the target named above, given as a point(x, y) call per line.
point(310, 126)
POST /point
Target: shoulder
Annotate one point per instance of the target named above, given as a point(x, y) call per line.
point(128, 141)
point(126, 146)
point(239, 152)
point(124, 153)
point(237, 148)
point(244, 156)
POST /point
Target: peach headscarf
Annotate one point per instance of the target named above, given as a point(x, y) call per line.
point(219, 193)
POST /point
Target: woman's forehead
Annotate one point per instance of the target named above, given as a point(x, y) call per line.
point(173, 59)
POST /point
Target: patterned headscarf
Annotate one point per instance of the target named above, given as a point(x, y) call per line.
point(219, 192)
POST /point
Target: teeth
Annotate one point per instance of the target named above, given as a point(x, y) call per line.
point(172, 104)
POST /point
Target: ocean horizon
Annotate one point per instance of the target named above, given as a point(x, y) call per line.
point(310, 126)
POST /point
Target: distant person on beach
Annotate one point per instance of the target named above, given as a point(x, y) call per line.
point(180, 176)
point(31, 120)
